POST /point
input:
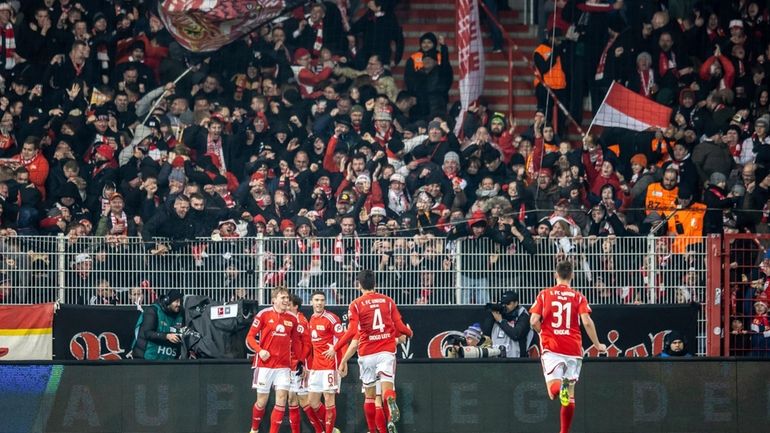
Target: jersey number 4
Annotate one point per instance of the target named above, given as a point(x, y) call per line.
point(377, 323)
point(561, 309)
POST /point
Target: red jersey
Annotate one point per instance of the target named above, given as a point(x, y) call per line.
point(325, 331)
point(379, 322)
point(560, 308)
point(301, 352)
point(277, 332)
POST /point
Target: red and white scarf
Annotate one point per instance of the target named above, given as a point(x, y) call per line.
point(9, 46)
point(648, 80)
point(318, 43)
point(119, 221)
point(603, 59)
point(215, 147)
point(339, 249)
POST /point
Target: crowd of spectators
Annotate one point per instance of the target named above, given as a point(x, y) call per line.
point(301, 131)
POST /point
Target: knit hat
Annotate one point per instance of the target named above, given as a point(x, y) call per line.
point(763, 121)
point(377, 210)
point(177, 175)
point(716, 178)
point(434, 124)
point(285, 224)
point(640, 159)
point(357, 109)
point(363, 177)
point(382, 115)
point(473, 331)
point(300, 53)
point(397, 177)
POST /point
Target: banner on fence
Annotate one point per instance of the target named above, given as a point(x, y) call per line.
point(93, 332)
point(106, 333)
point(25, 332)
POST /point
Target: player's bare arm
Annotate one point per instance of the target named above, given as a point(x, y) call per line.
point(590, 328)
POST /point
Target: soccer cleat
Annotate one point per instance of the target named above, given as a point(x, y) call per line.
point(336, 430)
point(395, 414)
point(253, 431)
point(564, 392)
point(392, 427)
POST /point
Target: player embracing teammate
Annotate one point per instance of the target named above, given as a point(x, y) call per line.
point(556, 315)
point(376, 321)
point(279, 334)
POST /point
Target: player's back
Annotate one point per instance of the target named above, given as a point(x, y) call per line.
point(376, 313)
point(560, 307)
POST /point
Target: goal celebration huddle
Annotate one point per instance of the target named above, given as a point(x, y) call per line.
point(303, 360)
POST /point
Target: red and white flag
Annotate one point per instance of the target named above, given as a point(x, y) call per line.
point(26, 332)
point(470, 51)
point(623, 108)
point(207, 25)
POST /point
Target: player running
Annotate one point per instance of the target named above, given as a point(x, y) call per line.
point(376, 318)
point(325, 330)
point(554, 315)
point(277, 331)
point(298, 394)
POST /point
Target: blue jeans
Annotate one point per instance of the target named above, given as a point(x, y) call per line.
point(474, 290)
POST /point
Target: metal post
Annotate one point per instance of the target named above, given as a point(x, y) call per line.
point(62, 263)
point(458, 269)
point(651, 275)
point(261, 269)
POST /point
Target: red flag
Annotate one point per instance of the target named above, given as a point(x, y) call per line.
point(470, 51)
point(623, 108)
point(207, 25)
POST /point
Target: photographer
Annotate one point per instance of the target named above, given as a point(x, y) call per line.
point(473, 344)
point(508, 325)
point(158, 330)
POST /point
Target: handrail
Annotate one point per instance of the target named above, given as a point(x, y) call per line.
point(511, 45)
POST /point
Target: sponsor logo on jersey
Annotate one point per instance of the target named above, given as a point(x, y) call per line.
point(288, 323)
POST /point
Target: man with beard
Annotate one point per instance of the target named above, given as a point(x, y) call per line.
point(440, 141)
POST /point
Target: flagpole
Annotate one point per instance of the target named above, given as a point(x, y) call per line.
point(162, 95)
point(600, 107)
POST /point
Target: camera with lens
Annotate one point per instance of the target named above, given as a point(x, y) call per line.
point(495, 306)
point(471, 344)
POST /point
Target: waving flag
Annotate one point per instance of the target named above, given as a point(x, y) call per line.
point(207, 25)
point(623, 108)
point(470, 51)
point(26, 332)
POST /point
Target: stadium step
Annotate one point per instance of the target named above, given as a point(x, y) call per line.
point(438, 16)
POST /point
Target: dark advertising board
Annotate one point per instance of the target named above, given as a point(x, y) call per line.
point(436, 396)
point(106, 333)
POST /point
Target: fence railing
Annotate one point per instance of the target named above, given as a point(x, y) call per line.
point(414, 271)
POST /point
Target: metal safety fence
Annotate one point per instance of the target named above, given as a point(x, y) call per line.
point(417, 270)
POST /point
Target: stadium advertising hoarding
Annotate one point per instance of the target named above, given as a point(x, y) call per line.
point(106, 333)
point(652, 395)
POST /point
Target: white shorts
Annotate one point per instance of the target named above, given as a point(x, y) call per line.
point(298, 384)
point(558, 367)
point(377, 389)
point(324, 381)
point(266, 378)
point(377, 367)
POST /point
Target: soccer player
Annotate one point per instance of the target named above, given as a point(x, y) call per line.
point(554, 315)
point(377, 321)
point(298, 393)
point(277, 331)
point(325, 330)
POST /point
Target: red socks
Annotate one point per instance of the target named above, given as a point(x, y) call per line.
point(276, 418)
point(566, 416)
point(294, 419)
point(331, 418)
point(554, 388)
point(381, 420)
point(312, 416)
point(369, 414)
point(256, 417)
point(321, 415)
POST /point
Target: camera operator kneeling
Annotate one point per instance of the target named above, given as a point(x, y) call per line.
point(508, 325)
point(473, 344)
point(158, 331)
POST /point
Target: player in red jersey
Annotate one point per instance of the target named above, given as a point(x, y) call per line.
point(325, 330)
point(554, 315)
point(277, 331)
point(376, 318)
point(298, 393)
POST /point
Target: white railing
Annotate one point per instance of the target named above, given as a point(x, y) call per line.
point(412, 270)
